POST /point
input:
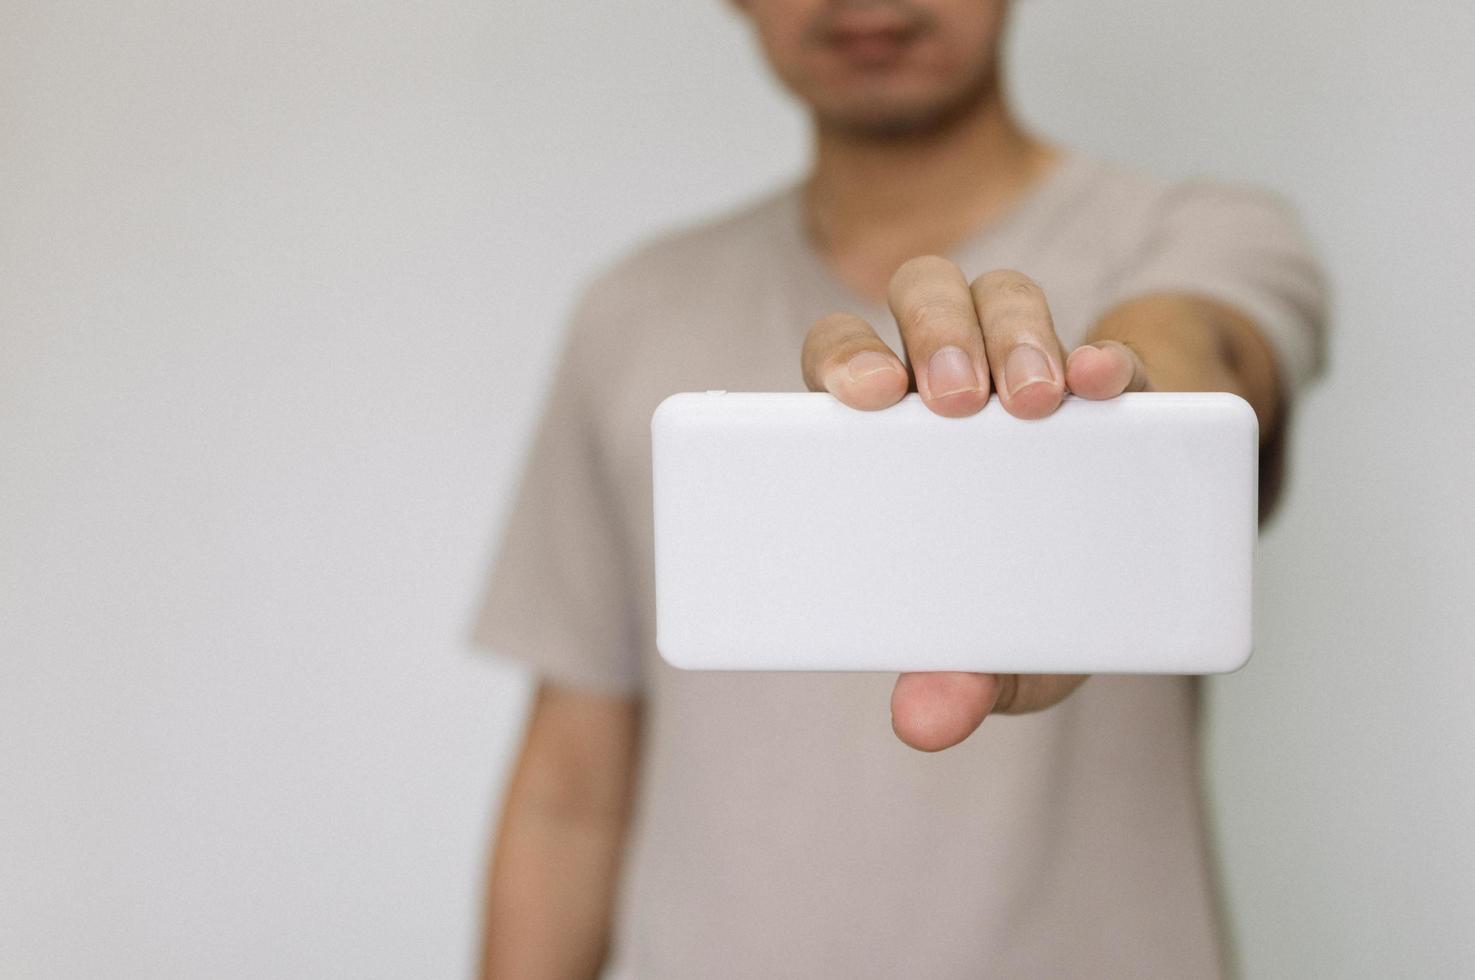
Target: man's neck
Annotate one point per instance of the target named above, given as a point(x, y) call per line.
point(871, 204)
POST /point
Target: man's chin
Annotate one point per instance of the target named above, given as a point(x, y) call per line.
point(889, 123)
point(901, 118)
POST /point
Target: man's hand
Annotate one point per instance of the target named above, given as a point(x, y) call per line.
point(965, 341)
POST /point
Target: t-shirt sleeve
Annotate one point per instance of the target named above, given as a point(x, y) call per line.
point(560, 598)
point(1244, 248)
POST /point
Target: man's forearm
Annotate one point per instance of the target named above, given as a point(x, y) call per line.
point(552, 888)
point(556, 861)
point(1193, 344)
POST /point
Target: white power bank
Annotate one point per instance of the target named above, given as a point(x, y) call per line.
point(794, 533)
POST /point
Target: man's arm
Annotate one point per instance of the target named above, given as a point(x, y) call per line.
point(556, 858)
point(964, 341)
point(1191, 344)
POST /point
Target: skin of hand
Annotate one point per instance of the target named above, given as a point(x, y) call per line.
point(965, 340)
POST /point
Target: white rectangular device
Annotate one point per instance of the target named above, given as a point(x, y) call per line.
point(794, 533)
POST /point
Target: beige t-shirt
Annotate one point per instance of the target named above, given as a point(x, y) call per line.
point(781, 829)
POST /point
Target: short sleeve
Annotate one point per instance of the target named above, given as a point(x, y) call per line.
point(1244, 248)
point(560, 597)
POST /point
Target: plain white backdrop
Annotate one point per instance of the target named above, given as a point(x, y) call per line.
point(279, 288)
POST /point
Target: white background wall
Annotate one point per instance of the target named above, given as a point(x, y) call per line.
point(279, 286)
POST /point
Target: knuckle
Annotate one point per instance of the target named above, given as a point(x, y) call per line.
point(831, 325)
point(831, 340)
point(827, 334)
point(1010, 282)
point(1012, 323)
point(921, 270)
point(1011, 306)
point(934, 314)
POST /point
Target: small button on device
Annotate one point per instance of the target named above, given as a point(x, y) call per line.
point(716, 391)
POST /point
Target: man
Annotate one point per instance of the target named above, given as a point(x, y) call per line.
point(687, 825)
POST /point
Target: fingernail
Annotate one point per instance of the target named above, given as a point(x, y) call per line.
point(950, 371)
point(867, 363)
point(1026, 366)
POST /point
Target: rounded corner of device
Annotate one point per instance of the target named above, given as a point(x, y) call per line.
point(1241, 407)
point(669, 405)
point(1234, 661)
point(672, 655)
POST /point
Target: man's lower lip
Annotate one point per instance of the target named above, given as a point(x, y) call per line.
point(869, 47)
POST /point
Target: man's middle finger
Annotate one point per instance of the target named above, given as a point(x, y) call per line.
point(1023, 349)
point(929, 298)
